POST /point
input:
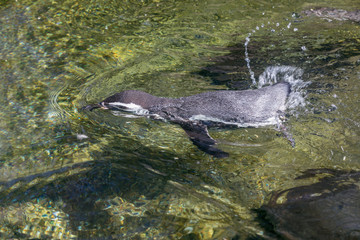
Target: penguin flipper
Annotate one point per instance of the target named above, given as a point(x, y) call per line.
point(199, 135)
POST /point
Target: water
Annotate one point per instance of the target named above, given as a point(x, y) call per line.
point(292, 75)
point(67, 174)
point(263, 79)
point(247, 59)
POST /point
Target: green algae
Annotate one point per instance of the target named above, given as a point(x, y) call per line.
point(108, 176)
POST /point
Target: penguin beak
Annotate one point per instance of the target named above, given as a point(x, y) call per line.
point(92, 107)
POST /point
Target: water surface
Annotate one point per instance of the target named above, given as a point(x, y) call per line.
point(65, 173)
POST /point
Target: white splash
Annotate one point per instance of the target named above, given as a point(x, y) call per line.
point(247, 59)
point(290, 74)
point(247, 41)
point(275, 74)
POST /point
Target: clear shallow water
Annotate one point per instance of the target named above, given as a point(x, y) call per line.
point(66, 173)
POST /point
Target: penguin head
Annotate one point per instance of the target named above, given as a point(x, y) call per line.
point(130, 100)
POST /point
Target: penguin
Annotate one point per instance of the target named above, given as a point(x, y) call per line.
point(195, 113)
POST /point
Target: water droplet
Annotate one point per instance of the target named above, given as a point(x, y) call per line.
point(81, 136)
point(247, 59)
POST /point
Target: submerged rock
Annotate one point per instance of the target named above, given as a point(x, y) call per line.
point(332, 13)
point(328, 209)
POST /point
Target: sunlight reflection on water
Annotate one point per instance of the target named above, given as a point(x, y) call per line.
point(66, 174)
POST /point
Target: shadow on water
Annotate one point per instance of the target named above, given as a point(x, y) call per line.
point(318, 59)
point(136, 188)
point(328, 209)
point(229, 70)
point(92, 182)
point(128, 190)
